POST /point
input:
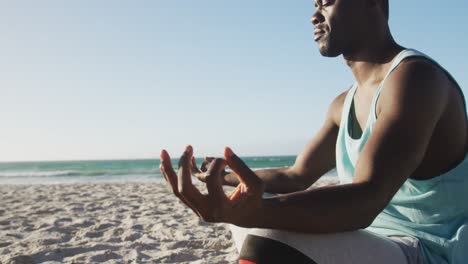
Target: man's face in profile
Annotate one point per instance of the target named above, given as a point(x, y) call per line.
point(336, 25)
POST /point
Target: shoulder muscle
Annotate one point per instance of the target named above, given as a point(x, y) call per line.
point(417, 84)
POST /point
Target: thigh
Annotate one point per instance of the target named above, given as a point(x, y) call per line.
point(361, 246)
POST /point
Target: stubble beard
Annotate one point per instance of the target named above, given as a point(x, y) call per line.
point(327, 47)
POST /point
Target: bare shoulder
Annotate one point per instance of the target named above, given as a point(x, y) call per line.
point(419, 70)
point(414, 83)
point(336, 108)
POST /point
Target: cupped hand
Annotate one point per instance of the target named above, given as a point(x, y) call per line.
point(241, 208)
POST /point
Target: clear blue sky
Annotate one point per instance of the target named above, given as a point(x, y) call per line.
point(122, 79)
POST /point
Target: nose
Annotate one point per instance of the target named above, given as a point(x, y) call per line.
point(317, 18)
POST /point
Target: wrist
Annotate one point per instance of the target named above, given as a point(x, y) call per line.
point(257, 218)
point(261, 214)
point(265, 212)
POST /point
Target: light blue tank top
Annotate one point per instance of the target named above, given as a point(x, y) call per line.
point(435, 211)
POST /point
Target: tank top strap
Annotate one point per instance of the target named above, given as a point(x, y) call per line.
point(396, 62)
point(401, 56)
point(347, 104)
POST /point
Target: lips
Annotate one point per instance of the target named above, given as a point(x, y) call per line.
point(318, 34)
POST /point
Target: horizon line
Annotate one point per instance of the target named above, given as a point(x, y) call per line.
point(127, 159)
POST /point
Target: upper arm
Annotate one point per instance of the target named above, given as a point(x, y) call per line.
point(410, 107)
point(318, 157)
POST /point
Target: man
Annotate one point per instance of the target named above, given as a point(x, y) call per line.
point(398, 139)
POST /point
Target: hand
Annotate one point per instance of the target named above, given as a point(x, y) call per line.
point(241, 208)
point(200, 173)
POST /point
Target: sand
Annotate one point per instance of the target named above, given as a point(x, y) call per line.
point(106, 223)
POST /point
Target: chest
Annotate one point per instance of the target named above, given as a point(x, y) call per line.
point(362, 103)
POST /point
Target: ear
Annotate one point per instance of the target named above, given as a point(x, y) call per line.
point(375, 5)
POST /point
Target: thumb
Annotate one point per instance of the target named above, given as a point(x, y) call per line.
point(243, 172)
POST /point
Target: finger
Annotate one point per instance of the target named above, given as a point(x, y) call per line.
point(243, 172)
point(168, 171)
point(170, 181)
point(171, 178)
point(164, 173)
point(195, 169)
point(214, 182)
point(174, 190)
point(235, 194)
point(185, 187)
point(183, 173)
point(207, 161)
point(172, 186)
point(239, 196)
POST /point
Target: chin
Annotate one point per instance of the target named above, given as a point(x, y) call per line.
point(329, 53)
point(328, 50)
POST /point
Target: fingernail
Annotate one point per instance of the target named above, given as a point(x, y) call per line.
point(228, 152)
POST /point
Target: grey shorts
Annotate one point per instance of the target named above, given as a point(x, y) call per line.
point(357, 247)
point(411, 248)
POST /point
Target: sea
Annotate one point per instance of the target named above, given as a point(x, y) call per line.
point(110, 171)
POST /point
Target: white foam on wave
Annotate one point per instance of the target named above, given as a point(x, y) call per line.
point(12, 174)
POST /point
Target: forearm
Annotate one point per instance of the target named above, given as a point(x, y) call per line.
point(279, 180)
point(323, 210)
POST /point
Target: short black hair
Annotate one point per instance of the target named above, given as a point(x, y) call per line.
point(386, 8)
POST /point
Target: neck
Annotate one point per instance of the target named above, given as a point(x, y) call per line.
point(370, 62)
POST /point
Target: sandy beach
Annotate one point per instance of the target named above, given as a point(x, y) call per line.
point(106, 223)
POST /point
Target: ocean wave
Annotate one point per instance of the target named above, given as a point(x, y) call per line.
point(330, 174)
point(268, 159)
point(71, 173)
point(38, 173)
point(110, 173)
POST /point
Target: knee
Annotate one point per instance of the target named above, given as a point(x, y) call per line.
point(261, 250)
